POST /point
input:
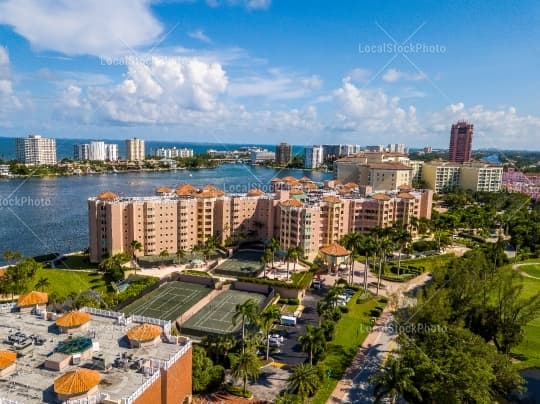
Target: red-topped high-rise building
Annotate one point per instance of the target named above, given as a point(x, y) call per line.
point(460, 150)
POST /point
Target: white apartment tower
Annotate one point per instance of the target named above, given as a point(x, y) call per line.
point(36, 150)
point(313, 157)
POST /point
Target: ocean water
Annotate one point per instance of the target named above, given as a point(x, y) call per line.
point(42, 215)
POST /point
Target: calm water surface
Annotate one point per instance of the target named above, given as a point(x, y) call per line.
point(42, 215)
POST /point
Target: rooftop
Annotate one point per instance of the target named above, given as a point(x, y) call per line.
point(31, 383)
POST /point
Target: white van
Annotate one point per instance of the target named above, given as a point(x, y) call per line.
point(288, 320)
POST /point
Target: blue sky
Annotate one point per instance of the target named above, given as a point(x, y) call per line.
point(263, 71)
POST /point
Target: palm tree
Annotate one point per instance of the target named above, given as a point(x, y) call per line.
point(304, 381)
point(134, 246)
point(368, 248)
point(274, 246)
point(393, 381)
point(266, 322)
point(352, 242)
point(42, 283)
point(12, 256)
point(313, 341)
point(247, 312)
point(289, 256)
point(245, 365)
point(180, 254)
point(266, 257)
point(401, 237)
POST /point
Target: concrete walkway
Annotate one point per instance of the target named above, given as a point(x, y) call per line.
point(354, 386)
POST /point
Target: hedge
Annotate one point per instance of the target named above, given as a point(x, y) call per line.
point(237, 391)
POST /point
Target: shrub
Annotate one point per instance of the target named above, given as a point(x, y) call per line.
point(293, 301)
point(374, 312)
point(237, 391)
point(344, 309)
point(383, 299)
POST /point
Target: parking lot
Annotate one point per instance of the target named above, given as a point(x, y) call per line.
point(290, 351)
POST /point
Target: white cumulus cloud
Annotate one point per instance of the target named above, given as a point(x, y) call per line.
point(394, 75)
point(92, 27)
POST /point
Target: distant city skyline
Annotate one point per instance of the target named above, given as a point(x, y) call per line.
point(268, 71)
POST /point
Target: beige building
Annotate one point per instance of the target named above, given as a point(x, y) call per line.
point(135, 149)
point(481, 177)
point(441, 176)
point(298, 213)
point(378, 170)
point(444, 176)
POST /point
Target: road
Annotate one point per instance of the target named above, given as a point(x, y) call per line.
point(354, 387)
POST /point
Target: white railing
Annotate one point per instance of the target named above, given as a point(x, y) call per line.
point(178, 354)
point(95, 398)
point(8, 401)
point(7, 308)
point(142, 388)
point(165, 324)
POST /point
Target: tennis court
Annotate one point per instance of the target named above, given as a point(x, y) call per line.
point(169, 301)
point(216, 317)
point(245, 263)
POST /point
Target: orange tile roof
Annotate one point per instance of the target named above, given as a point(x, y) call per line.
point(381, 197)
point(335, 250)
point(163, 190)
point(255, 192)
point(404, 187)
point(185, 190)
point(331, 199)
point(7, 358)
point(32, 298)
point(107, 196)
point(276, 179)
point(2, 272)
point(76, 382)
point(144, 332)
point(351, 185)
point(296, 192)
point(73, 319)
point(305, 179)
point(344, 191)
point(293, 203)
point(290, 180)
point(405, 195)
point(310, 185)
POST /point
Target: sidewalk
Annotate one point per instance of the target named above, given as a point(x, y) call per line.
point(373, 352)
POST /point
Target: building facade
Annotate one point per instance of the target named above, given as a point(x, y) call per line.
point(261, 156)
point(379, 170)
point(298, 213)
point(481, 177)
point(173, 152)
point(135, 149)
point(313, 157)
point(460, 150)
point(477, 176)
point(442, 176)
point(283, 154)
point(95, 151)
point(36, 150)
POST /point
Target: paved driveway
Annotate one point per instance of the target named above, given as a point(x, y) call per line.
point(290, 351)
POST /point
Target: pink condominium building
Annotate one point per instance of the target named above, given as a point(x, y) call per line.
point(297, 212)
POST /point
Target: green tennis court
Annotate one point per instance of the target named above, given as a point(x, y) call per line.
point(169, 301)
point(245, 263)
point(216, 316)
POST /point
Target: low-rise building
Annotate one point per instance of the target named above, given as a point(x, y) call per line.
point(173, 152)
point(261, 156)
point(92, 364)
point(380, 171)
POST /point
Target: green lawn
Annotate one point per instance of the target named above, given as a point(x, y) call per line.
point(64, 282)
point(351, 330)
point(531, 269)
point(429, 263)
point(530, 346)
point(77, 261)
